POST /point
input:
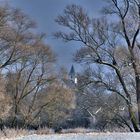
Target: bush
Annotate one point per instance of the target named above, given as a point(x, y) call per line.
point(83, 122)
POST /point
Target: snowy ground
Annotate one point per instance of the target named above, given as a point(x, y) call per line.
point(89, 136)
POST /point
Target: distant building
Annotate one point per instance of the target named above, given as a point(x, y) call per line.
point(69, 80)
point(72, 75)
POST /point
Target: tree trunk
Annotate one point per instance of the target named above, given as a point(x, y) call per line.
point(130, 109)
point(138, 95)
point(137, 80)
point(133, 119)
point(14, 122)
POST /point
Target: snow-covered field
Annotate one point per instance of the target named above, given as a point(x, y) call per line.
point(87, 136)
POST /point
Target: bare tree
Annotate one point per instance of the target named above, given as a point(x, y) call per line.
point(60, 101)
point(106, 109)
point(27, 77)
point(15, 32)
point(102, 38)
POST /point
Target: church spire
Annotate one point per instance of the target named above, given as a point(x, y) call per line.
point(72, 72)
point(72, 75)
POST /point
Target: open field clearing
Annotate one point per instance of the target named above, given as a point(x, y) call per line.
point(88, 136)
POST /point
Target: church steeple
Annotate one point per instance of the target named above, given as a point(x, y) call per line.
point(72, 75)
point(72, 72)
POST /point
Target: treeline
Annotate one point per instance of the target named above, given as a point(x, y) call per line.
point(107, 94)
point(111, 47)
point(30, 94)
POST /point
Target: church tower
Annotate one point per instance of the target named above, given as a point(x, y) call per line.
point(72, 75)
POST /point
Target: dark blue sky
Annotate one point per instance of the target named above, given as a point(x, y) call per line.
point(45, 11)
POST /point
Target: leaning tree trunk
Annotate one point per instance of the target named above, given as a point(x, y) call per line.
point(135, 65)
point(133, 119)
point(138, 95)
point(130, 108)
point(137, 80)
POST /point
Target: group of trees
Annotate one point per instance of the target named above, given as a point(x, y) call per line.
point(106, 109)
point(108, 90)
point(111, 48)
point(27, 78)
